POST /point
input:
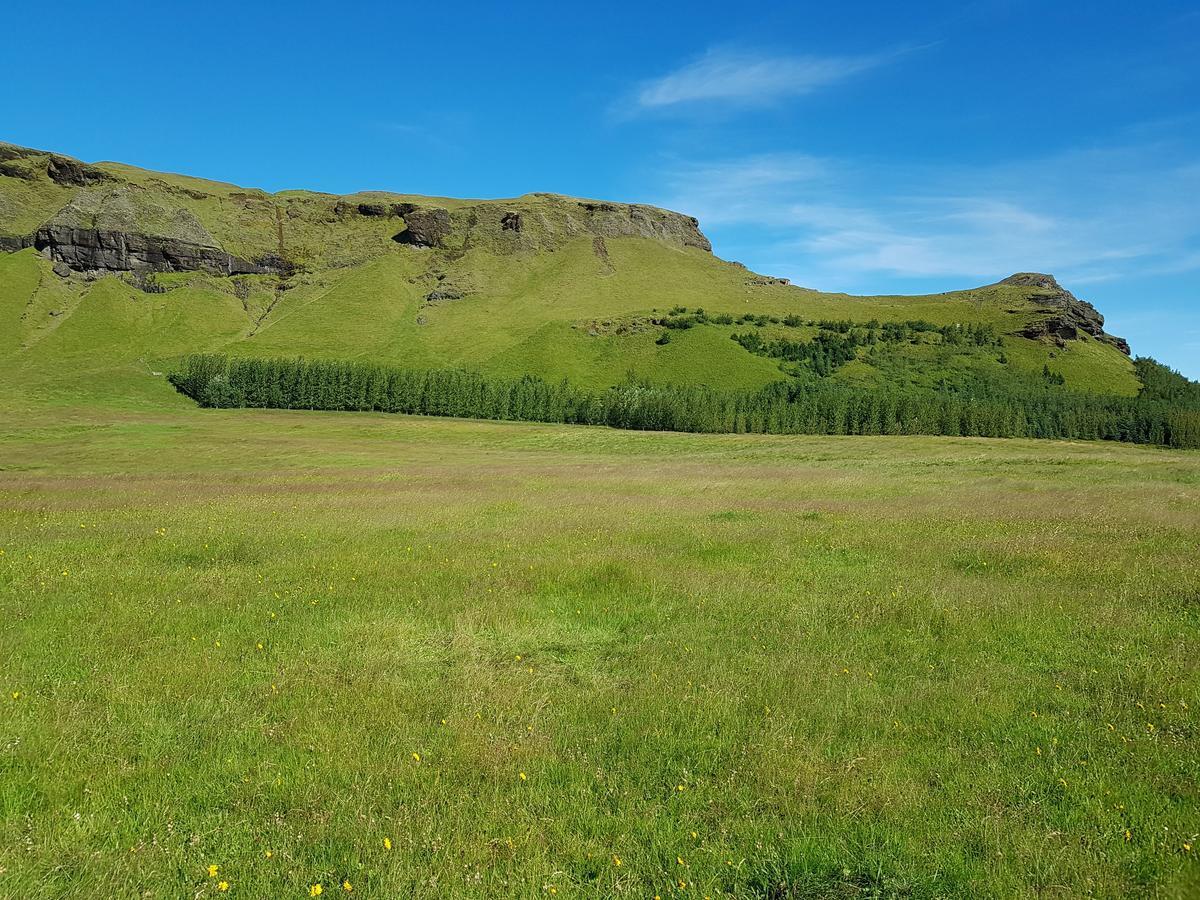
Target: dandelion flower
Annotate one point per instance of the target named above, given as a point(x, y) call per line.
point(347, 886)
point(416, 756)
point(524, 777)
point(315, 890)
point(269, 854)
point(212, 871)
point(616, 860)
point(223, 886)
point(387, 843)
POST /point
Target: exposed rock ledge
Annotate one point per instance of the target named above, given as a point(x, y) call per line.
point(1068, 315)
point(91, 249)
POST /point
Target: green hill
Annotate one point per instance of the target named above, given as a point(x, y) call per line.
point(113, 273)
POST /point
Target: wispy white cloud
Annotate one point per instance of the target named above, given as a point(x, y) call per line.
point(1088, 216)
point(732, 77)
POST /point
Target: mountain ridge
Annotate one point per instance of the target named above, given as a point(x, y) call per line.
point(542, 284)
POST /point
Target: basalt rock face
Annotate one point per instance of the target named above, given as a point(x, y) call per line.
point(1067, 314)
point(427, 227)
point(91, 249)
point(12, 243)
point(68, 172)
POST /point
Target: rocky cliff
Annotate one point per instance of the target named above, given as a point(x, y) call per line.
point(1065, 314)
point(97, 250)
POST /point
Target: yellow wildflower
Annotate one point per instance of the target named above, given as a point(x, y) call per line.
point(416, 756)
point(616, 860)
point(347, 886)
point(315, 890)
point(212, 871)
point(387, 843)
point(524, 777)
point(223, 886)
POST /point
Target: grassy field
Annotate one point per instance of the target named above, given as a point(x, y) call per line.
point(436, 658)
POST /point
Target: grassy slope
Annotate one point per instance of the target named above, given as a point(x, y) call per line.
point(530, 311)
point(826, 667)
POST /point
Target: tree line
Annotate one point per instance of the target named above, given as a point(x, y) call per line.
point(797, 406)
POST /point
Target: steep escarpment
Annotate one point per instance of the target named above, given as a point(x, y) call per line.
point(109, 218)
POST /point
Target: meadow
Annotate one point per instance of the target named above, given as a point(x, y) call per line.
point(291, 654)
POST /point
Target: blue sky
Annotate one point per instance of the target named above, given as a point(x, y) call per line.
point(865, 147)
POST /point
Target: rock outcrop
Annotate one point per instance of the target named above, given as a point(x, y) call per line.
point(68, 172)
point(90, 249)
point(377, 209)
point(1066, 316)
point(426, 226)
point(126, 228)
point(12, 243)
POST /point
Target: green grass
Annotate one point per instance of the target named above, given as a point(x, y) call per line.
point(876, 667)
point(532, 314)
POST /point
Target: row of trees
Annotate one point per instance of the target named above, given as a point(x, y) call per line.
point(797, 406)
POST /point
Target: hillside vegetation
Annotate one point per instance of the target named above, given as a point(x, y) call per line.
point(114, 274)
